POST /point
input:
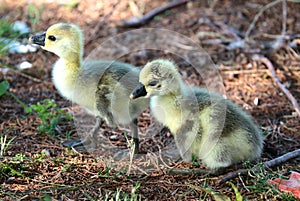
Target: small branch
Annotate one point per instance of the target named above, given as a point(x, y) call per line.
point(247, 43)
point(18, 72)
point(270, 66)
point(274, 162)
point(263, 9)
point(258, 15)
point(186, 171)
point(229, 30)
point(283, 31)
point(137, 22)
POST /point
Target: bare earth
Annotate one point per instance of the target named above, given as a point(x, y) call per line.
point(66, 174)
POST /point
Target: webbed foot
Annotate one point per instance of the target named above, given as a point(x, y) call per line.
point(81, 144)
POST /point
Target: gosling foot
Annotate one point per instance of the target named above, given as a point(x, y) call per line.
point(90, 140)
point(81, 144)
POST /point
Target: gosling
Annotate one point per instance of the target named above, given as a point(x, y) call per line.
point(205, 125)
point(102, 87)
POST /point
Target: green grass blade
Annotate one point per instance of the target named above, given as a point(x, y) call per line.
point(238, 196)
point(4, 86)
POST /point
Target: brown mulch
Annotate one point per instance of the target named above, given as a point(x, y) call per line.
point(66, 174)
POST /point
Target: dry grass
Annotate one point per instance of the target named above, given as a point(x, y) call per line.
point(37, 166)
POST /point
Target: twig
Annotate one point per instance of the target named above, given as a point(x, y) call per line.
point(186, 171)
point(229, 30)
point(271, 163)
point(234, 72)
point(258, 15)
point(270, 66)
point(203, 34)
point(137, 22)
point(18, 72)
point(243, 41)
point(283, 31)
point(264, 8)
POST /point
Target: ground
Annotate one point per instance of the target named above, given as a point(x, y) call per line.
point(36, 165)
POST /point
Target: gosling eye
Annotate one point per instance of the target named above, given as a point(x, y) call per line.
point(52, 38)
point(153, 83)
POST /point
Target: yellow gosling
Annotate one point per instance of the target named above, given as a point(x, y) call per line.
point(102, 87)
point(204, 124)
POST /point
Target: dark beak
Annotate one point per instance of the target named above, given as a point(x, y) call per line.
point(139, 91)
point(38, 39)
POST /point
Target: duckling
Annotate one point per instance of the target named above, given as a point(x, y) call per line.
point(101, 87)
point(204, 124)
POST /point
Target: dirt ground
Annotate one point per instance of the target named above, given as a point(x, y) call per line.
point(66, 174)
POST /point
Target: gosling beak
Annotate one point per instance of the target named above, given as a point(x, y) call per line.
point(38, 39)
point(139, 91)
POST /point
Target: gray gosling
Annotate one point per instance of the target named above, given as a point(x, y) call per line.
point(102, 87)
point(204, 124)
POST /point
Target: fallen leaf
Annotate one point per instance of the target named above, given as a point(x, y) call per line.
point(291, 185)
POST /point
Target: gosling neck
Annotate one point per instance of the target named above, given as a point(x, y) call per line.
point(72, 60)
point(178, 88)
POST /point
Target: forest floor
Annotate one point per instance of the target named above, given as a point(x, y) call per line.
point(36, 166)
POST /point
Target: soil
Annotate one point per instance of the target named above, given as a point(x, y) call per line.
point(68, 174)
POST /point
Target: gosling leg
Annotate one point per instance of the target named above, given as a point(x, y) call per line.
point(94, 131)
point(135, 135)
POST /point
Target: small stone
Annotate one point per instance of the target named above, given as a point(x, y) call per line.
point(256, 101)
point(21, 27)
point(45, 152)
point(114, 137)
point(24, 65)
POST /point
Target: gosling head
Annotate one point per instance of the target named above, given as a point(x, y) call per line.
point(159, 77)
point(62, 39)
